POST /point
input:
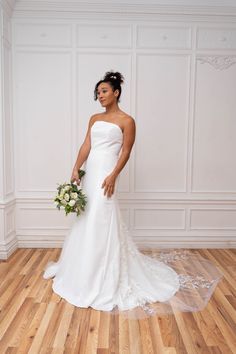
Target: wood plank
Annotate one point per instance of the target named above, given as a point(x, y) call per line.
point(76, 331)
point(38, 339)
point(146, 339)
point(31, 330)
point(92, 337)
point(134, 337)
point(13, 333)
point(103, 331)
point(124, 335)
point(62, 331)
point(221, 321)
point(170, 334)
point(190, 345)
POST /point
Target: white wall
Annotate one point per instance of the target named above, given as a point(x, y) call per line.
point(8, 239)
point(179, 187)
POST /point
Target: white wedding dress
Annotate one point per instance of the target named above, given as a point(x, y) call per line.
point(101, 267)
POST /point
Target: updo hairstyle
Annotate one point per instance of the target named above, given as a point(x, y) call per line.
point(115, 79)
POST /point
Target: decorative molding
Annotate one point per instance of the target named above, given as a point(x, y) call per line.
point(207, 211)
point(164, 37)
point(122, 8)
point(9, 246)
point(100, 35)
point(42, 34)
point(8, 6)
point(219, 62)
point(110, 11)
point(137, 199)
point(182, 218)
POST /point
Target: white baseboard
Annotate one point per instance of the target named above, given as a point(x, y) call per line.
point(7, 249)
point(141, 243)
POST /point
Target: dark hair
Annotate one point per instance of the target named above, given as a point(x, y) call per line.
point(115, 79)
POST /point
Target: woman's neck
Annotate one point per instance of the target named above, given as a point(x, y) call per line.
point(112, 109)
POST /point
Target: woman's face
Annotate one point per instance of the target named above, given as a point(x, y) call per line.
point(106, 95)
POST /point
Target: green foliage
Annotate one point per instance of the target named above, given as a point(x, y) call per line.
point(70, 197)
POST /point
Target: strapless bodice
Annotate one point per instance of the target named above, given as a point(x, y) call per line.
point(106, 137)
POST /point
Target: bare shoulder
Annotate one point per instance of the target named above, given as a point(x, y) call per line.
point(128, 122)
point(94, 117)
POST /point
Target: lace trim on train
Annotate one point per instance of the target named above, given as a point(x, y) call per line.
point(186, 281)
point(190, 282)
point(134, 289)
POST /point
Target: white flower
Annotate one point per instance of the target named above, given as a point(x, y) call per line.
point(63, 202)
point(62, 191)
point(72, 203)
point(67, 197)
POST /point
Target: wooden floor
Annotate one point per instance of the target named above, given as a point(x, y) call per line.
point(33, 319)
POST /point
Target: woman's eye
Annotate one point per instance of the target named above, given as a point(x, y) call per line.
point(104, 91)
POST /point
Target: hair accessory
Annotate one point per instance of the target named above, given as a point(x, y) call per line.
point(113, 77)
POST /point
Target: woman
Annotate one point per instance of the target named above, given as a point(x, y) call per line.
point(108, 92)
point(100, 266)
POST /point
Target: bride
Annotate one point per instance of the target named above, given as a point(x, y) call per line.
point(100, 266)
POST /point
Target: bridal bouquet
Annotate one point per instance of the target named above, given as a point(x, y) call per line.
point(70, 197)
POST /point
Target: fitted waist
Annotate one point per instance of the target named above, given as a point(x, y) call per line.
point(106, 152)
point(100, 163)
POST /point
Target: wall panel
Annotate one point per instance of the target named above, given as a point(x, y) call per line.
point(161, 147)
point(43, 120)
point(214, 128)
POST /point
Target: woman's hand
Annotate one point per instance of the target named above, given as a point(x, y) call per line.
point(75, 177)
point(109, 185)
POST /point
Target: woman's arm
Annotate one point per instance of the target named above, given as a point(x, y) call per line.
point(128, 141)
point(83, 152)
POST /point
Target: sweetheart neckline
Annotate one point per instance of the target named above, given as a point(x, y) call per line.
point(104, 121)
